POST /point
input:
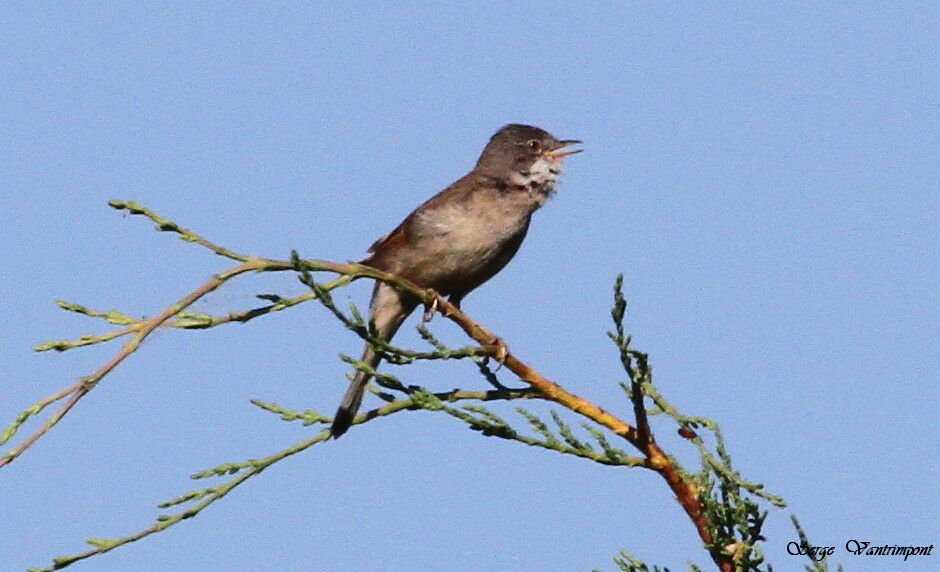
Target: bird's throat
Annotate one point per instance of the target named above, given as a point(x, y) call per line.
point(540, 176)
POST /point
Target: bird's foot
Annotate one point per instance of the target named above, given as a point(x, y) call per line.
point(429, 309)
point(500, 351)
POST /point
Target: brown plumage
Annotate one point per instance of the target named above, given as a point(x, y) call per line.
point(461, 237)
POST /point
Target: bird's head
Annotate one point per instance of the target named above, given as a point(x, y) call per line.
point(524, 155)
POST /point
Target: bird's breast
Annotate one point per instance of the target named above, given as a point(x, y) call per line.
point(460, 239)
point(476, 225)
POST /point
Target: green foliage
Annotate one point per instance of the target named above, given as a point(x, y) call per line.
point(726, 508)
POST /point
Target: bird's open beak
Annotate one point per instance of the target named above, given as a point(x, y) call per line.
point(561, 151)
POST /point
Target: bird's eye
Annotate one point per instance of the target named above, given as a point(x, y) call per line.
point(534, 145)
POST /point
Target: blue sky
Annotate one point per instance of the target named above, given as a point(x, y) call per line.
point(764, 175)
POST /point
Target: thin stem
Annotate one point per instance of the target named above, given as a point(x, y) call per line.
point(85, 384)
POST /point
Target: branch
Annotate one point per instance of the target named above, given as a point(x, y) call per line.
point(85, 384)
point(716, 515)
point(245, 470)
point(141, 329)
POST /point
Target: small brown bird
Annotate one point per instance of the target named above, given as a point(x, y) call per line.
point(461, 237)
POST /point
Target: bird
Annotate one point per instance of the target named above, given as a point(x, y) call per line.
point(461, 237)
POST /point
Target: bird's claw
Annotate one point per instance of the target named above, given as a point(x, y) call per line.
point(429, 309)
point(500, 351)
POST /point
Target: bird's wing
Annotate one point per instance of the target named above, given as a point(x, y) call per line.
point(417, 223)
point(391, 239)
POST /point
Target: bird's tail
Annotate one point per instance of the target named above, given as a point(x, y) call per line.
point(353, 398)
point(389, 310)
